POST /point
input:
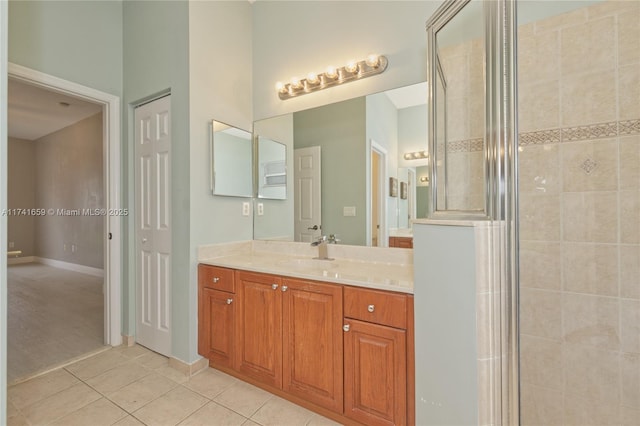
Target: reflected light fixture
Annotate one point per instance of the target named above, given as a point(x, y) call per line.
point(353, 70)
point(415, 155)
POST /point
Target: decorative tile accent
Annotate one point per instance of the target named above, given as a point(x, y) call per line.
point(476, 145)
point(595, 131)
point(540, 137)
point(580, 133)
point(458, 146)
point(629, 127)
point(588, 166)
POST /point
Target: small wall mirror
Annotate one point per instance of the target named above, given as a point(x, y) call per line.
point(457, 110)
point(231, 170)
point(272, 169)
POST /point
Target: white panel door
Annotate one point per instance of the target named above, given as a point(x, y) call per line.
point(153, 224)
point(307, 197)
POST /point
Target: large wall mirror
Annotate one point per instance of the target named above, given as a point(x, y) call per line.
point(361, 144)
point(231, 165)
point(272, 169)
point(457, 111)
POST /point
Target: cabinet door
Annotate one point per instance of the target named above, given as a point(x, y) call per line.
point(375, 374)
point(259, 327)
point(312, 344)
point(217, 326)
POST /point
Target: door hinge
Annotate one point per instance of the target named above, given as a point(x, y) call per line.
point(110, 236)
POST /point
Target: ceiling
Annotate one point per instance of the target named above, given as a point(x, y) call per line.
point(35, 112)
point(409, 96)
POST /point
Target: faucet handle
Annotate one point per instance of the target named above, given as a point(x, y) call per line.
point(333, 238)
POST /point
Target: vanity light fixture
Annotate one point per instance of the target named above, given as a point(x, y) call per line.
point(424, 179)
point(354, 70)
point(415, 155)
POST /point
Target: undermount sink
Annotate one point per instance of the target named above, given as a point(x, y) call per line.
point(320, 264)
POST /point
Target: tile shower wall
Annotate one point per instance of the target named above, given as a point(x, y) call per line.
point(463, 68)
point(579, 160)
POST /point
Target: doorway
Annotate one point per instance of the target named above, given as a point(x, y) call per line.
point(153, 224)
point(377, 229)
point(112, 214)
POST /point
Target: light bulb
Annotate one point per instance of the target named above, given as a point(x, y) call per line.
point(408, 156)
point(331, 72)
point(280, 87)
point(312, 78)
point(295, 83)
point(373, 60)
point(352, 66)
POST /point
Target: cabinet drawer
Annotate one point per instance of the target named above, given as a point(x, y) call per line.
point(216, 278)
point(376, 306)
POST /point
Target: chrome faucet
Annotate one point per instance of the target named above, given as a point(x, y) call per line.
point(321, 243)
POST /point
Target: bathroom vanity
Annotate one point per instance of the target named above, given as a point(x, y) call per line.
point(333, 336)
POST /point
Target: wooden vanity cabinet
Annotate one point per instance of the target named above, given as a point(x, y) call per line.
point(401, 242)
point(289, 336)
point(216, 314)
point(376, 362)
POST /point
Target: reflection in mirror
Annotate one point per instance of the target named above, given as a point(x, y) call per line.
point(272, 169)
point(347, 133)
point(457, 67)
point(231, 173)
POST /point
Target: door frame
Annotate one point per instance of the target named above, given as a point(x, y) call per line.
point(112, 185)
point(383, 202)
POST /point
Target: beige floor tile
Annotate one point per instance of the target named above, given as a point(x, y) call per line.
point(172, 373)
point(17, 420)
point(96, 365)
point(243, 398)
point(98, 413)
point(118, 377)
point(318, 420)
point(140, 393)
point(36, 389)
point(129, 421)
point(134, 351)
point(250, 423)
point(60, 404)
point(171, 408)
point(210, 382)
point(280, 412)
point(222, 415)
point(153, 360)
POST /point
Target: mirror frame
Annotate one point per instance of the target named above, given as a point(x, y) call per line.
point(438, 20)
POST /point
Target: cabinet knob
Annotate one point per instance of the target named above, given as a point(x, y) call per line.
point(285, 288)
point(371, 308)
point(274, 286)
point(216, 279)
point(346, 327)
point(229, 301)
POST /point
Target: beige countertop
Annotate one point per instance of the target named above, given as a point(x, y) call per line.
point(388, 269)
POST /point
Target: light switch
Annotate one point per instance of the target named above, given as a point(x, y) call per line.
point(260, 209)
point(349, 211)
point(246, 209)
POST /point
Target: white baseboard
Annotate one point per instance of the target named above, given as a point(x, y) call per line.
point(71, 267)
point(186, 368)
point(20, 260)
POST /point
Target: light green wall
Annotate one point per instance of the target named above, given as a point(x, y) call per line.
point(156, 60)
point(339, 129)
point(79, 41)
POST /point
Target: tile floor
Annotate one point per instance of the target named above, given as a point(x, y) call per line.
point(134, 386)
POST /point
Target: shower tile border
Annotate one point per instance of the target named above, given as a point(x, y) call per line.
point(557, 135)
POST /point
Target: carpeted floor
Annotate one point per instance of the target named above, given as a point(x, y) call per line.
point(55, 316)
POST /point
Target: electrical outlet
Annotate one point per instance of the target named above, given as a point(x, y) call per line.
point(11, 244)
point(260, 209)
point(73, 248)
point(246, 209)
point(64, 246)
